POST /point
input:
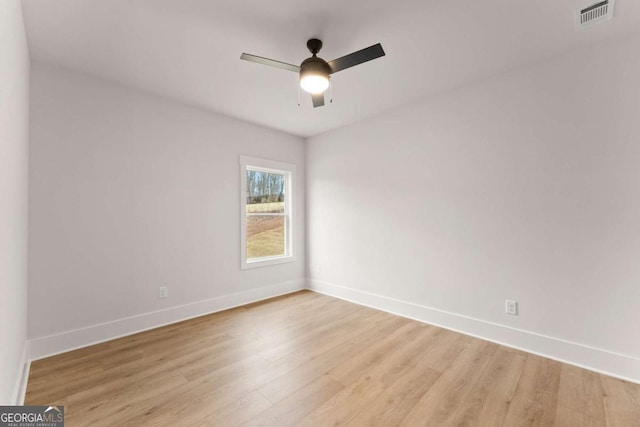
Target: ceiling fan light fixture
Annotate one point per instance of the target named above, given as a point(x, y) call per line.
point(314, 83)
point(314, 75)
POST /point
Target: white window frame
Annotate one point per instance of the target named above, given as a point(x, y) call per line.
point(289, 171)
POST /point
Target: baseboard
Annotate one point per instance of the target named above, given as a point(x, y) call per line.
point(40, 348)
point(20, 389)
point(595, 359)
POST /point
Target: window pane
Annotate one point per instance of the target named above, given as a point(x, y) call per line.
point(266, 189)
point(265, 235)
point(265, 211)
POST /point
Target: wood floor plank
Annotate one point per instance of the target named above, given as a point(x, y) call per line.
point(309, 359)
point(581, 391)
point(446, 347)
point(125, 405)
point(621, 402)
point(199, 392)
point(391, 407)
point(492, 394)
point(291, 409)
point(525, 412)
point(331, 325)
point(336, 353)
point(540, 379)
point(58, 385)
point(567, 417)
point(439, 405)
point(355, 367)
point(234, 414)
point(375, 378)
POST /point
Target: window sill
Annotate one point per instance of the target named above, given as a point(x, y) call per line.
point(264, 262)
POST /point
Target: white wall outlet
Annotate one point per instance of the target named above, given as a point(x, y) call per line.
point(511, 307)
point(163, 292)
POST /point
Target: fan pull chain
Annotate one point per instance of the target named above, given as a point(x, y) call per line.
point(298, 95)
point(330, 92)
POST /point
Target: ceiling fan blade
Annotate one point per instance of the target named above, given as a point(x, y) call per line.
point(356, 58)
point(271, 62)
point(318, 99)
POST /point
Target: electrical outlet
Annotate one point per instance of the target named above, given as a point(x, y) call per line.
point(315, 269)
point(163, 292)
point(511, 307)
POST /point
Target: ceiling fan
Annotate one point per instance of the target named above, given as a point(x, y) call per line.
point(315, 72)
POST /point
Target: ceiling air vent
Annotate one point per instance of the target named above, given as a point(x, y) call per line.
point(596, 13)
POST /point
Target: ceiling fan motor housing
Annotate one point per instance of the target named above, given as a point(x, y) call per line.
point(314, 66)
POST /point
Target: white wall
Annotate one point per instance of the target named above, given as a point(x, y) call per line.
point(14, 125)
point(130, 192)
point(524, 187)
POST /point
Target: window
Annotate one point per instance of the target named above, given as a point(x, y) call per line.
point(266, 207)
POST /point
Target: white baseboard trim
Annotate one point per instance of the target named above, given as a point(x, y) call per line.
point(40, 348)
point(595, 359)
point(20, 389)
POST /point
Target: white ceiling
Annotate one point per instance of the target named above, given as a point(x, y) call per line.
point(189, 50)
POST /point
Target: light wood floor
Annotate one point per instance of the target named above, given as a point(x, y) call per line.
point(308, 359)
